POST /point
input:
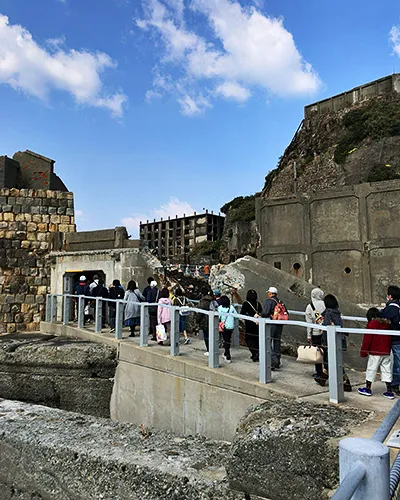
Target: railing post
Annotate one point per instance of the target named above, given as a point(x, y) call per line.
point(236, 334)
point(66, 310)
point(53, 308)
point(335, 365)
point(375, 456)
point(175, 332)
point(144, 325)
point(98, 315)
point(213, 340)
point(48, 308)
point(265, 351)
point(81, 312)
point(119, 311)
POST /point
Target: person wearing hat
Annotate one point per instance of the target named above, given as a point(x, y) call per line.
point(314, 316)
point(82, 288)
point(276, 330)
point(152, 297)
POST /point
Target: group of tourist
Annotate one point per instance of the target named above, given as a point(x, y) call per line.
point(322, 310)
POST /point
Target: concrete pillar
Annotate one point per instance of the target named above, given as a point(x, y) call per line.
point(375, 457)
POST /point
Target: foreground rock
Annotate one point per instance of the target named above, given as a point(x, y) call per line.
point(289, 449)
point(59, 372)
point(47, 453)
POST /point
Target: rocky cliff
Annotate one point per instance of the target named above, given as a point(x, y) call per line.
point(357, 144)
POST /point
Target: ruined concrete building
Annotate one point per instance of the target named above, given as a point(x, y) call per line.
point(35, 207)
point(330, 211)
point(174, 238)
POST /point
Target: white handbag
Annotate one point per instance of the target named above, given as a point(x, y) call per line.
point(310, 354)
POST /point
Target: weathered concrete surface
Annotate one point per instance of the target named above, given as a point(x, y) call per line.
point(289, 449)
point(52, 454)
point(71, 374)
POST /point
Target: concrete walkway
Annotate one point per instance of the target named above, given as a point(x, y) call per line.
point(291, 380)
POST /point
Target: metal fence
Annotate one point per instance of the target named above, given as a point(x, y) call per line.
point(364, 465)
point(55, 313)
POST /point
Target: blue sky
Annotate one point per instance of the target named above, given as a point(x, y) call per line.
point(158, 107)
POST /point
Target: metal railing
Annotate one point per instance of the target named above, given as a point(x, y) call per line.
point(364, 465)
point(335, 355)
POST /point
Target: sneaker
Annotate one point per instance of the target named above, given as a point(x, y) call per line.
point(388, 395)
point(226, 359)
point(112, 330)
point(187, 340)
point(365, 392)
point(206, 353)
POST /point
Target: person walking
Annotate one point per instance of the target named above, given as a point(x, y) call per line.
point(226, 325)
point(94, 283)
point(115, 292)
point(332, 316)
point(273, 308)
point(82, 288)
point(101, 291)
point(164, 313)
point(132, 308)
point(251, 307)
point(314, 316)
point(391, 312)
point(377, 349)
point(202, 319)
point(181, 301)
point(152, 297)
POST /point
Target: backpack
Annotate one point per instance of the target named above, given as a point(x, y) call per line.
point(280, 311)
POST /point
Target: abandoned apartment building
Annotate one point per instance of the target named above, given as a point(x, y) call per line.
point(174, 238)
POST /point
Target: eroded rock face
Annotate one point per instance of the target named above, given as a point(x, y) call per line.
point(289, 449)
point(59, 372)
point(53, 454)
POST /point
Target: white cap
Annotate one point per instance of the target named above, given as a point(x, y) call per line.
point(153, 284)
point(82, 278)
point(272, 289)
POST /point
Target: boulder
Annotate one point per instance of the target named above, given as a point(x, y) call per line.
point(289, 449)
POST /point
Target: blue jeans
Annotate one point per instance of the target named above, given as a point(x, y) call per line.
point(182, 323)
point(396, 364)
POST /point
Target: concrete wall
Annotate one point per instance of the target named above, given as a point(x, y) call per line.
point(346, 99)
point(103, 239)
point(122, 264)
point(346, 241)
point(170, 394)
point(29, 221)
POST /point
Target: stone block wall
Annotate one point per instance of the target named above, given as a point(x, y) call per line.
point(30, 221)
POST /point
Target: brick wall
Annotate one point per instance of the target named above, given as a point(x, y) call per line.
point(29, 220)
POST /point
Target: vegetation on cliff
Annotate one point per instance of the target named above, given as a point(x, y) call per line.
point(206, 248)
point(343, 148)
point(376, 120)
point(241, 208)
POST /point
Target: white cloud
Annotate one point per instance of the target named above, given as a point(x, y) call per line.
point(28, 67)
point(80, 216)
point(394, 37)
point(174, 207)
point(232, 90)
point(246, 50)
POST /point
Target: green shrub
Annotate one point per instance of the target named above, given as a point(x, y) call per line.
point(206, 248)
point(242, 208)
point(377, 119)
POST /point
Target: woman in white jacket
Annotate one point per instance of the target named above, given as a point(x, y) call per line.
point(314, 312)
point(132, 308)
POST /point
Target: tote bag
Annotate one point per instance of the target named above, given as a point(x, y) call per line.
point(310, 354)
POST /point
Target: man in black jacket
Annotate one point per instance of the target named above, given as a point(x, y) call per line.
point(392, 313)
point(276, 330)
point(101, 291)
